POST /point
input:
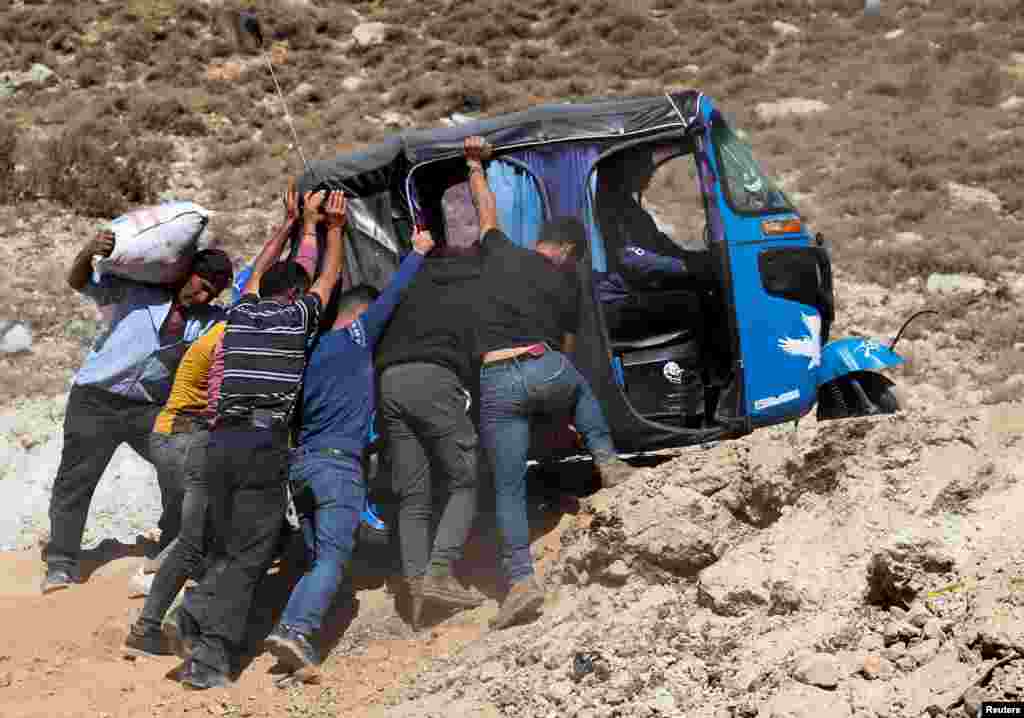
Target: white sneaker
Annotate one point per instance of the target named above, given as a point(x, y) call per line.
point(140, 584)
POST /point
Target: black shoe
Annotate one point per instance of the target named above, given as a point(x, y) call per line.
point(141, 642)
point(292, 649)
point(200, 676)
point(56, 579)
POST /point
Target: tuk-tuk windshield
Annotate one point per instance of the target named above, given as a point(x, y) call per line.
point(747, 188)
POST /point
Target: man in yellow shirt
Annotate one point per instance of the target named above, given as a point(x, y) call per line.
point(178, 443)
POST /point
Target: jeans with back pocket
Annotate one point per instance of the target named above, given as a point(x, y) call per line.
point(511, 393)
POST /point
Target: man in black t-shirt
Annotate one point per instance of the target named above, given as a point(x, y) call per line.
point(526, 310)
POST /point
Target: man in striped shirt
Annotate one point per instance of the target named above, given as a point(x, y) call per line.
point(266, 339)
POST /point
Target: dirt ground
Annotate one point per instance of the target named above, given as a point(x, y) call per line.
point(61, 654)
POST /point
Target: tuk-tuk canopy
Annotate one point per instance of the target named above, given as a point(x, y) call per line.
point(373, 169)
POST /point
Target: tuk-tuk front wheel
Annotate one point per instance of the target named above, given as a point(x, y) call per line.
point(857, 394)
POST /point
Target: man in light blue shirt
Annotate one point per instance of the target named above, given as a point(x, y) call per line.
point(122, 386)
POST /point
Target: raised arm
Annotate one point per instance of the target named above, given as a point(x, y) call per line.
point(309, 249)
point(334, 255)
point(376, 317)
point(81, 267)
point(271, 251)
point(477, 150)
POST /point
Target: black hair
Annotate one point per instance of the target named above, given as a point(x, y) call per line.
point(214, 266)
point(283, 277)
point(565, 232)
point(362, 294)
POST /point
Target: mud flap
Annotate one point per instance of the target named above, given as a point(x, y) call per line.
point(858, 394)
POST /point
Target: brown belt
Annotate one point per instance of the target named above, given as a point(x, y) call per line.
point(534, 351)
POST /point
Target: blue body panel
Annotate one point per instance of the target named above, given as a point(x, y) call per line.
point(845, 356)
point(779, 339)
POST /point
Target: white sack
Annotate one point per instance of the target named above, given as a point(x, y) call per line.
point(156, 244)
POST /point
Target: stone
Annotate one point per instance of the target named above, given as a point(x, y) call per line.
point(893, 34)
point(966, 196)
point(895, 650)
point(1013, 102)
point(560, 691)
point(908, 237)
point(850, 662)
point(933, 629)
point(899, 572)
point(305, 92)
point(692, 69)
point(784, 28)
point(925, 651)
point(941, 682)
point(15, 337)
point(877, 667)
point(918, 615)
point(618, 572)
point(955, 284)
point(368, 34)
point(677, 530)
point(896, 631)
point(352, 83)
point(490, 671)
point(906, 663)
point(820, 669)
point(871, 642)
point(801, 701)
point(873, 696)
point(787, 107)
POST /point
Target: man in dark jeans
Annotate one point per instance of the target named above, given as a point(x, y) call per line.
point(121, 387)
point(264, 354)
point(179, 441)
point(326, 469)
point(426, 364)
point(528, 305)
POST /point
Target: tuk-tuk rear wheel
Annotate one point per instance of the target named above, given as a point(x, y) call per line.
point(857, 394)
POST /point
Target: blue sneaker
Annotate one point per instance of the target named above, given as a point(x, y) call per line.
point(371, 519)
point(295, 652)
point(372, 528)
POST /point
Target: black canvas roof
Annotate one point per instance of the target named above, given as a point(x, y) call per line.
point(373, 169)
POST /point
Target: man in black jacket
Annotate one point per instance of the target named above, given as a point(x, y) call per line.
point(426, 365)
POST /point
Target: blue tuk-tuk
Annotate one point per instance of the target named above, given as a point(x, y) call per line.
point(706, 302)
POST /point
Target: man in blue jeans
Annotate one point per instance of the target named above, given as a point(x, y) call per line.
point(528, 305)
point(326, 469)
point(266, 339)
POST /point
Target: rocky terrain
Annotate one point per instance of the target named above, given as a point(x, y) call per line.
point(870, 567)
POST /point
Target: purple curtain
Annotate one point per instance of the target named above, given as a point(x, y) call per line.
point(563, 169)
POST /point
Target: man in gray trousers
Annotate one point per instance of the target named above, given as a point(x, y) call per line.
point(426, 365)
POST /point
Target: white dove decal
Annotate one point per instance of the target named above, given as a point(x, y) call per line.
point(809, 346)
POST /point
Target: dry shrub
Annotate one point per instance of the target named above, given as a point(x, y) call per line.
point(99, 171)
point(166, 114)
point(8, 146)
point(90, 73)
point(233, 155)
